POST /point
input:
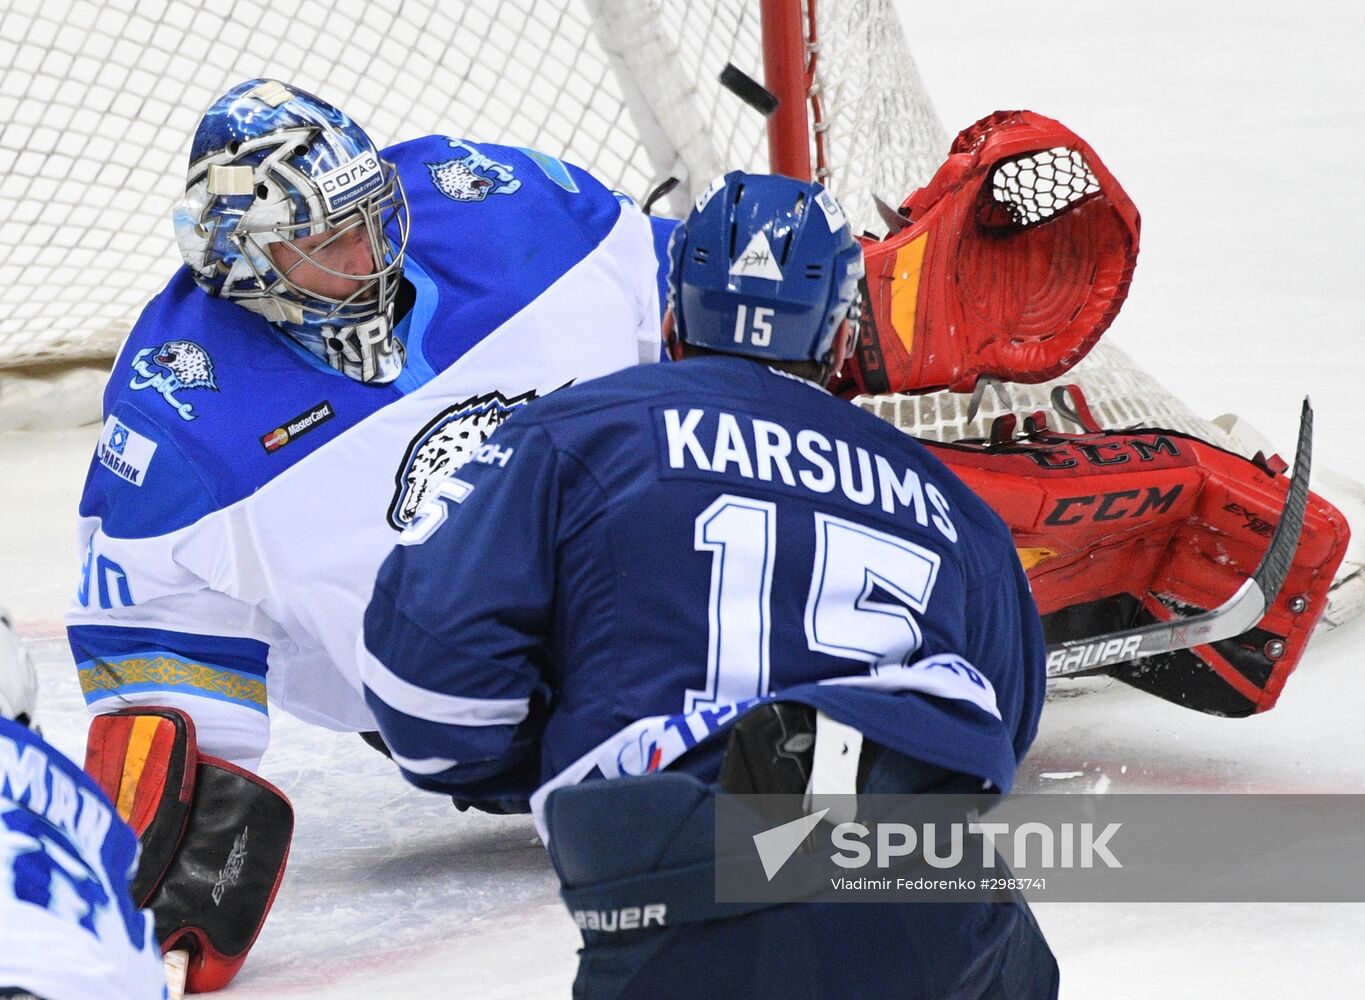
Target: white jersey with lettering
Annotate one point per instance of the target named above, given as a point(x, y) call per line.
point(242, 494)
point(68, 926)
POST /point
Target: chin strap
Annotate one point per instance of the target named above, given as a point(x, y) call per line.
point(366, 352)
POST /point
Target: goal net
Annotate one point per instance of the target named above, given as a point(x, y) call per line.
point(98, 102)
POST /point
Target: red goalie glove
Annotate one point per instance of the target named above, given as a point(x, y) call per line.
point(1119, 529)
point(1012, 262)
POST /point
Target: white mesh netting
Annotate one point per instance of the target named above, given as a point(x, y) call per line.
point(1036, 187)
point(1121, 395)
point(98, 102)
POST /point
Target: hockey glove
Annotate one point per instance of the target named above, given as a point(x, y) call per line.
point(1010, 263)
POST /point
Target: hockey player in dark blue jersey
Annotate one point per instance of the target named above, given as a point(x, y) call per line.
point(636, 570)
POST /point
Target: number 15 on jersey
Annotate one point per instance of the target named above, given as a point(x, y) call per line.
point(866, 588)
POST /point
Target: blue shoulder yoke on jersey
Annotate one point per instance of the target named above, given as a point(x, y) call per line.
point(202, 385)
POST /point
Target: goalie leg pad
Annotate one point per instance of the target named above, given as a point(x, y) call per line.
point(215, 837)
point(1123, 528)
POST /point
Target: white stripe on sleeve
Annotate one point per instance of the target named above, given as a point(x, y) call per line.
point(432, 706)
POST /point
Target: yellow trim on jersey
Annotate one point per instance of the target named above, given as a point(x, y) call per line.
point(108, 676)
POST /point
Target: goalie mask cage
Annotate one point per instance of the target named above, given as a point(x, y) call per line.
point(98, 102)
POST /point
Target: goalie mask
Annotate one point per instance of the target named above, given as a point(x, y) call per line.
point(18, 682)
point(765, 266)
point(275, 168)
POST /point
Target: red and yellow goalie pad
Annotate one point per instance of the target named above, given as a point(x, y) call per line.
point(1011, 263)
point(1118, 529)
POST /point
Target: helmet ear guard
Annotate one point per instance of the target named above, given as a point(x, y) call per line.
point(273, 165)
point(764, 267)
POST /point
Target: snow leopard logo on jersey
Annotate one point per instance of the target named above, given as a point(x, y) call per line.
point(455, 180)
point(445, 444)
point(185, 365)
point(472, 176)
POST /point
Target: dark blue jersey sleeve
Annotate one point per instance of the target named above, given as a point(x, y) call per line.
point(1003, 625)
point(459, 622)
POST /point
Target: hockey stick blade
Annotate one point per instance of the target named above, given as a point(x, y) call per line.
point(1233, 617)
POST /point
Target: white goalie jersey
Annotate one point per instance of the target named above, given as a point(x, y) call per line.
point(242, 495)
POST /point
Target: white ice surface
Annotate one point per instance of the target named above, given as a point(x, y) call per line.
point(1237, 128)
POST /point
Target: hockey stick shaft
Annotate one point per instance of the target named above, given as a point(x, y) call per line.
point(176, 964)
point(1233, 617)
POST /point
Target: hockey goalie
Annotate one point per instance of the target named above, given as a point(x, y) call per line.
point(1009, 265)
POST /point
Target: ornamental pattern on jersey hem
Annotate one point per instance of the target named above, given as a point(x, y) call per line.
point(103, 677)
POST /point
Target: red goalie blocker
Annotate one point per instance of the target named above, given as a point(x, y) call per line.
point(1013, 261)
point(1118, 530)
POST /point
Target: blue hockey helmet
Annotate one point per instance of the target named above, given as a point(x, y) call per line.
point(764, 266)
point(271, 164)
